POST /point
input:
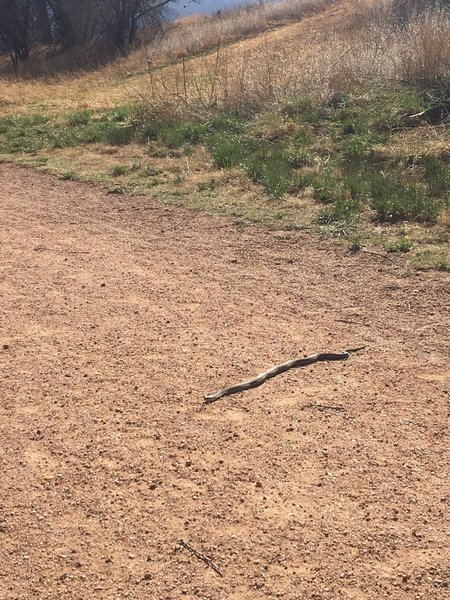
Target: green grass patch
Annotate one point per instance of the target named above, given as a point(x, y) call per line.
point(401, 245)
point(354, 153)
point(432, 258)
point(393, 200)
point(437, 175)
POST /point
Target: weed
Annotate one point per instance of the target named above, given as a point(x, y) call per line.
point(226, 122)
point(303, 137)
point(119, 170)
point(80, 118)
point(227, 149)
point(271, 167)
point(154, 183)
point(300, 157)
point(119, 135)
point(326, 188)
point(393, 201)
point(303, 109)
point(121, 114)
point(342, 211)
point(5, 124)
point(355, 244)
point(401, 245)
point(433, 258)
point(150, 172)
point(205, 186)
point(68, 176)
point(437, 176)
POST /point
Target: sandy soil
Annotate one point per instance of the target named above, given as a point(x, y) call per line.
point(118, 315)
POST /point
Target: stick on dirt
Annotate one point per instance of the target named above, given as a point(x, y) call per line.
point(326, 406)
point(206, 559)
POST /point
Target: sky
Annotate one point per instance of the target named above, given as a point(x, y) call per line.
point(187, 7)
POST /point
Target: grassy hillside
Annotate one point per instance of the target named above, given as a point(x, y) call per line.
point(335, 122)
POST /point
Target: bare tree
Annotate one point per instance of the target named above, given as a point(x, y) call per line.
point(122, 19)
point(15, 25)
point(42, 21)
point(75, 24)
point(404, 10)
point(109, 26)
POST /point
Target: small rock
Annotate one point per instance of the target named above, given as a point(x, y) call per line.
point(103, 285)
point(152, 486)
point(5, 346)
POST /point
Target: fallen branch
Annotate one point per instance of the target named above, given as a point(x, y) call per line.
point(63, 251)
point(384, 256)
point(326, 406)
point(206, 559)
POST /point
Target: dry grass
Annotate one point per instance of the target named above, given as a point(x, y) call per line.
point(200, 33)
point(297, 62)
point(348, 44)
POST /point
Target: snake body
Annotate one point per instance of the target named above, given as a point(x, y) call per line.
point(290, 364)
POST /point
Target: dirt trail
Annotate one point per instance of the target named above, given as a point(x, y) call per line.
point(118, 315)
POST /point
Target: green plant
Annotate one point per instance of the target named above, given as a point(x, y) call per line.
point(401, 245)
point(120, 114)
point(355, 244)
point(393, 201)
point(432, 259)
point(342, 211)
point(303, 137)
point(207, 185)
point(299, 157)
point(119, 135)
point(326, 188)
point(68, 176)
point(119, 170)
point(80, 118)
point(437, 175)
point(227, 149)
point(271, 167)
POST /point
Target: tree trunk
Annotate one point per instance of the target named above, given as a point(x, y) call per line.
point(43, 21)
